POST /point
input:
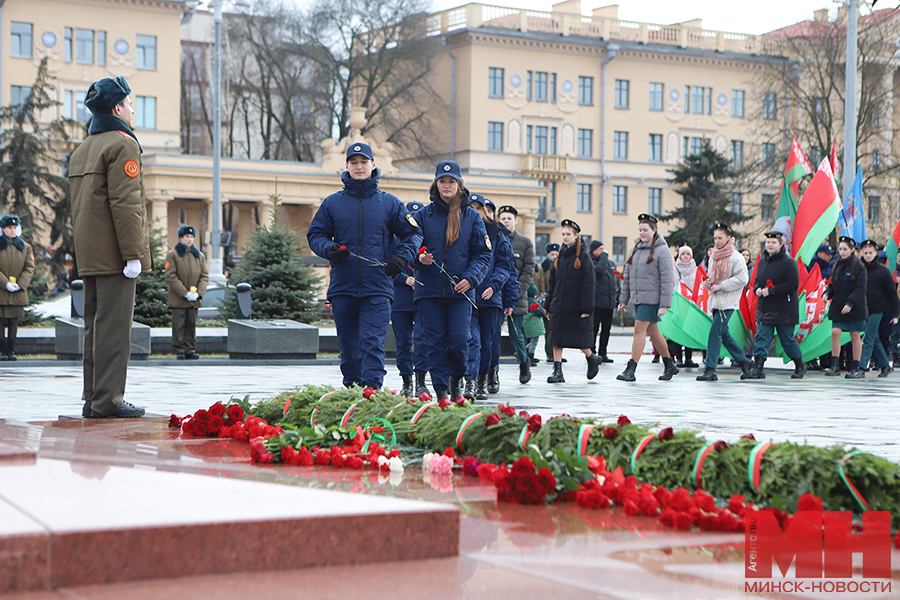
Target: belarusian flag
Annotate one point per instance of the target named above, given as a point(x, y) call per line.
point(700, 293)
point(685, 323)
point(835, 164)
point(891, 248)
point(749, 300)
point(798, 167)
point(817, 213)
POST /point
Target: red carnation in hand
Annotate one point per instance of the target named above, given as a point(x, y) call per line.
point(610, 432)
point(342, 247)
point(623, 421)
point(620, 276)
point(769, 284)
point(492, 420)
point(534, 306)
point(423, 250)
point(666, 434)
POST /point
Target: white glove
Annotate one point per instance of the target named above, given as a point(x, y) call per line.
point(191, 296)
point(12, 287)
point(132, 269)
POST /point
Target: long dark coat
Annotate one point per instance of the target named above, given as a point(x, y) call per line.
point(849, 286)
point(780, 306)
point(570, 294)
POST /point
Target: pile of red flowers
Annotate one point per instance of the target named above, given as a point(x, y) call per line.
point(523, 484)
point(224, 422)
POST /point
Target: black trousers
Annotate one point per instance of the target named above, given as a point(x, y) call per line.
point(602, 322)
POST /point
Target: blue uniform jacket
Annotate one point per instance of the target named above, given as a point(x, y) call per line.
point(498, 268)
point(403, 294)
point(365, 220)
point(468, 257)
point(511, 287)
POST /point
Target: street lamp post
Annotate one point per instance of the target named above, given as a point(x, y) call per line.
point(850, 101)
point(216, 270)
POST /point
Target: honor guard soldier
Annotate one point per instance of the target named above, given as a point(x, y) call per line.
point(187, 276)
point(16, 269)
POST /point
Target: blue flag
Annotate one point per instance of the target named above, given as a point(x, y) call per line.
point(852, 217)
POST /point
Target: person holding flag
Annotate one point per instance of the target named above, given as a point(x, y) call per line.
point(881, 298)
point(775, 285)
point(849, 309)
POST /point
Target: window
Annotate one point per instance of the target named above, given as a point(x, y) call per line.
point(619, 248)
point(529, 134)
point(696, 145)
point(737, 154)
point(620, 200)
point(622, 93)
point(146, 52)
point(655, 147)
point(620, 145)
point(876, 161)
point(529, 84)
point(540, 87)
point(552, 149)
point(552, 187)
point(876, 114)
point(553, 88)
point(697, 99)
point(145, 112)
point(734, 203)
point(18, 94)
point(769, 106)
point(81, 112)
point(874, 213)
point(20, 39)
point(737, 103)
point(687, 99)
point(540, 140)
point(709, 101)
point(584, 197)
point(495, 136)
point(767, 207)
point(67, 44)
point(84, 46)
point(656, 96)
point(495, 82)
point(654, 201)
point(586, 91)
point(540, 242)
point(585, 143)
point(768, 155)
point(68, 104)
point(101, 48)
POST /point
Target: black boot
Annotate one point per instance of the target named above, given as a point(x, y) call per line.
point(855, 371)
point(525, 372)
point(534, 361)
point(655, 359)
point(886, 370)
point(799, 369)
point(3, 349)
point(10, 349)
point(688, 359)
point(593, 362)
point(746, 368)
point(709, 374)
point(480, 389)
point(557, 376)
point(455, 391)
point(407, 390)
point(469, 392)
point(835, 368)
point(442, 394)
point(758, 371)
point(493, 381)
point(606, 359)
point(670, 369)
point(628, 373)
point(420, 382)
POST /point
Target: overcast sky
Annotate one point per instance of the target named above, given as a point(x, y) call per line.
point(756, 16)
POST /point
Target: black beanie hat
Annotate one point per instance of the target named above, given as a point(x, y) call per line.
point(110, 92)
point(595, 244)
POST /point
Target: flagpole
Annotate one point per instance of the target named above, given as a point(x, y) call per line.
point(850, 98)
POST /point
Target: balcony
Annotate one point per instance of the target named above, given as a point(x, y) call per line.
point(545, 167)
point(547, 216)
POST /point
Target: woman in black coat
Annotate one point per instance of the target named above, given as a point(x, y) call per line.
point(849, 309)
point(882, 300)
point(606, 297)
point(570, 302)
point(776, 286)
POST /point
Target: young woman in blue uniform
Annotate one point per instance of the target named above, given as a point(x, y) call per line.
point(403, 312)
point(453, 260)
point(486, 322)
point(355, 229)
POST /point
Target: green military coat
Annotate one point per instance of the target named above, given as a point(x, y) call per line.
point(19, 264)
point(182, 273)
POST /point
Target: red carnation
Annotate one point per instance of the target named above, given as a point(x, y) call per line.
point(769, 284)
point(720, 445)
point(353, 462)
point(304, 457)
point(623, 421)
point(423, 250)
point(620, 276)
point(288, 455)
point(449, 452)
point(748, 436)
point(509, 411)
point(323, 458)
point(610, 433)
point(534, 306)
point(235, 412)
point(486, 471)
point(393, 453)
point(666, 434)
point(810, 502)
point(368, 393)
point(425, 397)
point(175, 421)
point(460, 400)
point(342, 247)
point(444, 403)
point(217, 410)
point(534, 423)
point(492, 420)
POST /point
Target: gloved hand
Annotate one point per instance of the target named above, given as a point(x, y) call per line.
point(191, 296)
point(12, 287)
point(132, 269)
point(338, 253)
point(394, 265)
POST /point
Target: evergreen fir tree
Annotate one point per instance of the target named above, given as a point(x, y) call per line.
point(705, 200)
point(282, 286)
point(151, 297)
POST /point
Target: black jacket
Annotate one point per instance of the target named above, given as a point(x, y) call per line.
point(881, 293)
point(848, 287)
point(606, 288)
point(570, 294)
point(780, 306)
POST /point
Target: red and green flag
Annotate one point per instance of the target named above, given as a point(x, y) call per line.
point(817, 213)
point(835, 163)
point(891, 248)
point(685, 323)
point(798, 167)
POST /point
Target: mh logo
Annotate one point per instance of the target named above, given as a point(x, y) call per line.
point(816, 540)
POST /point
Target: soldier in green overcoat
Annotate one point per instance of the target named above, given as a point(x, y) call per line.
point(187, 276)
point(16, 269)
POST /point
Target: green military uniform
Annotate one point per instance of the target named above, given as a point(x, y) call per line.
point(16, 266)
point(110, 227)
point(186, 271)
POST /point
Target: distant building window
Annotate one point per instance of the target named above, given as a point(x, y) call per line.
point(621, 96)
point(81, 112)
point(553, 88)
point(876, 160)
point(20, 40)
point(655, 147)
point(18, 94)
point(584, 197)
point(876, 114)
point(768, 155)
point(687, 99)
point(68, 104)
point(697, 99)
point(67, 44)
point(540, 139)
point(737, 154)
point(145, 112)
point(146, 52)
point(84, 46)
point(540, 86)
point(540, 242)
point(529, 136)
point(495, 82)
point(495, 136)
point(620, 200)
point(767, 207)
point(619, 248)
point(585, 143)
point(734, 203)
point(737, 103)
point(620, 145)
point(529, 84)
point(874, 212)
point(101, 48)
point(656, 96)
point(696, 145)
point(586, 91)
point(654, 201)
point(769, 106)
point(552, 149)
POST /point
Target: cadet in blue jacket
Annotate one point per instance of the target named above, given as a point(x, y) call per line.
point(453, 260)
point(403, 312)
point(354, 229)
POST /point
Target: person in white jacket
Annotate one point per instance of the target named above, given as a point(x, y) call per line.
point(726, 281)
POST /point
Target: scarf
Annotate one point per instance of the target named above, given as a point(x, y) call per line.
point(181, 249)
point(718, 270)
point(16, 241)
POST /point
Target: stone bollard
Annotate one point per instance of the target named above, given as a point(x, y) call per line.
point(77, 310)
point(243, 301)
